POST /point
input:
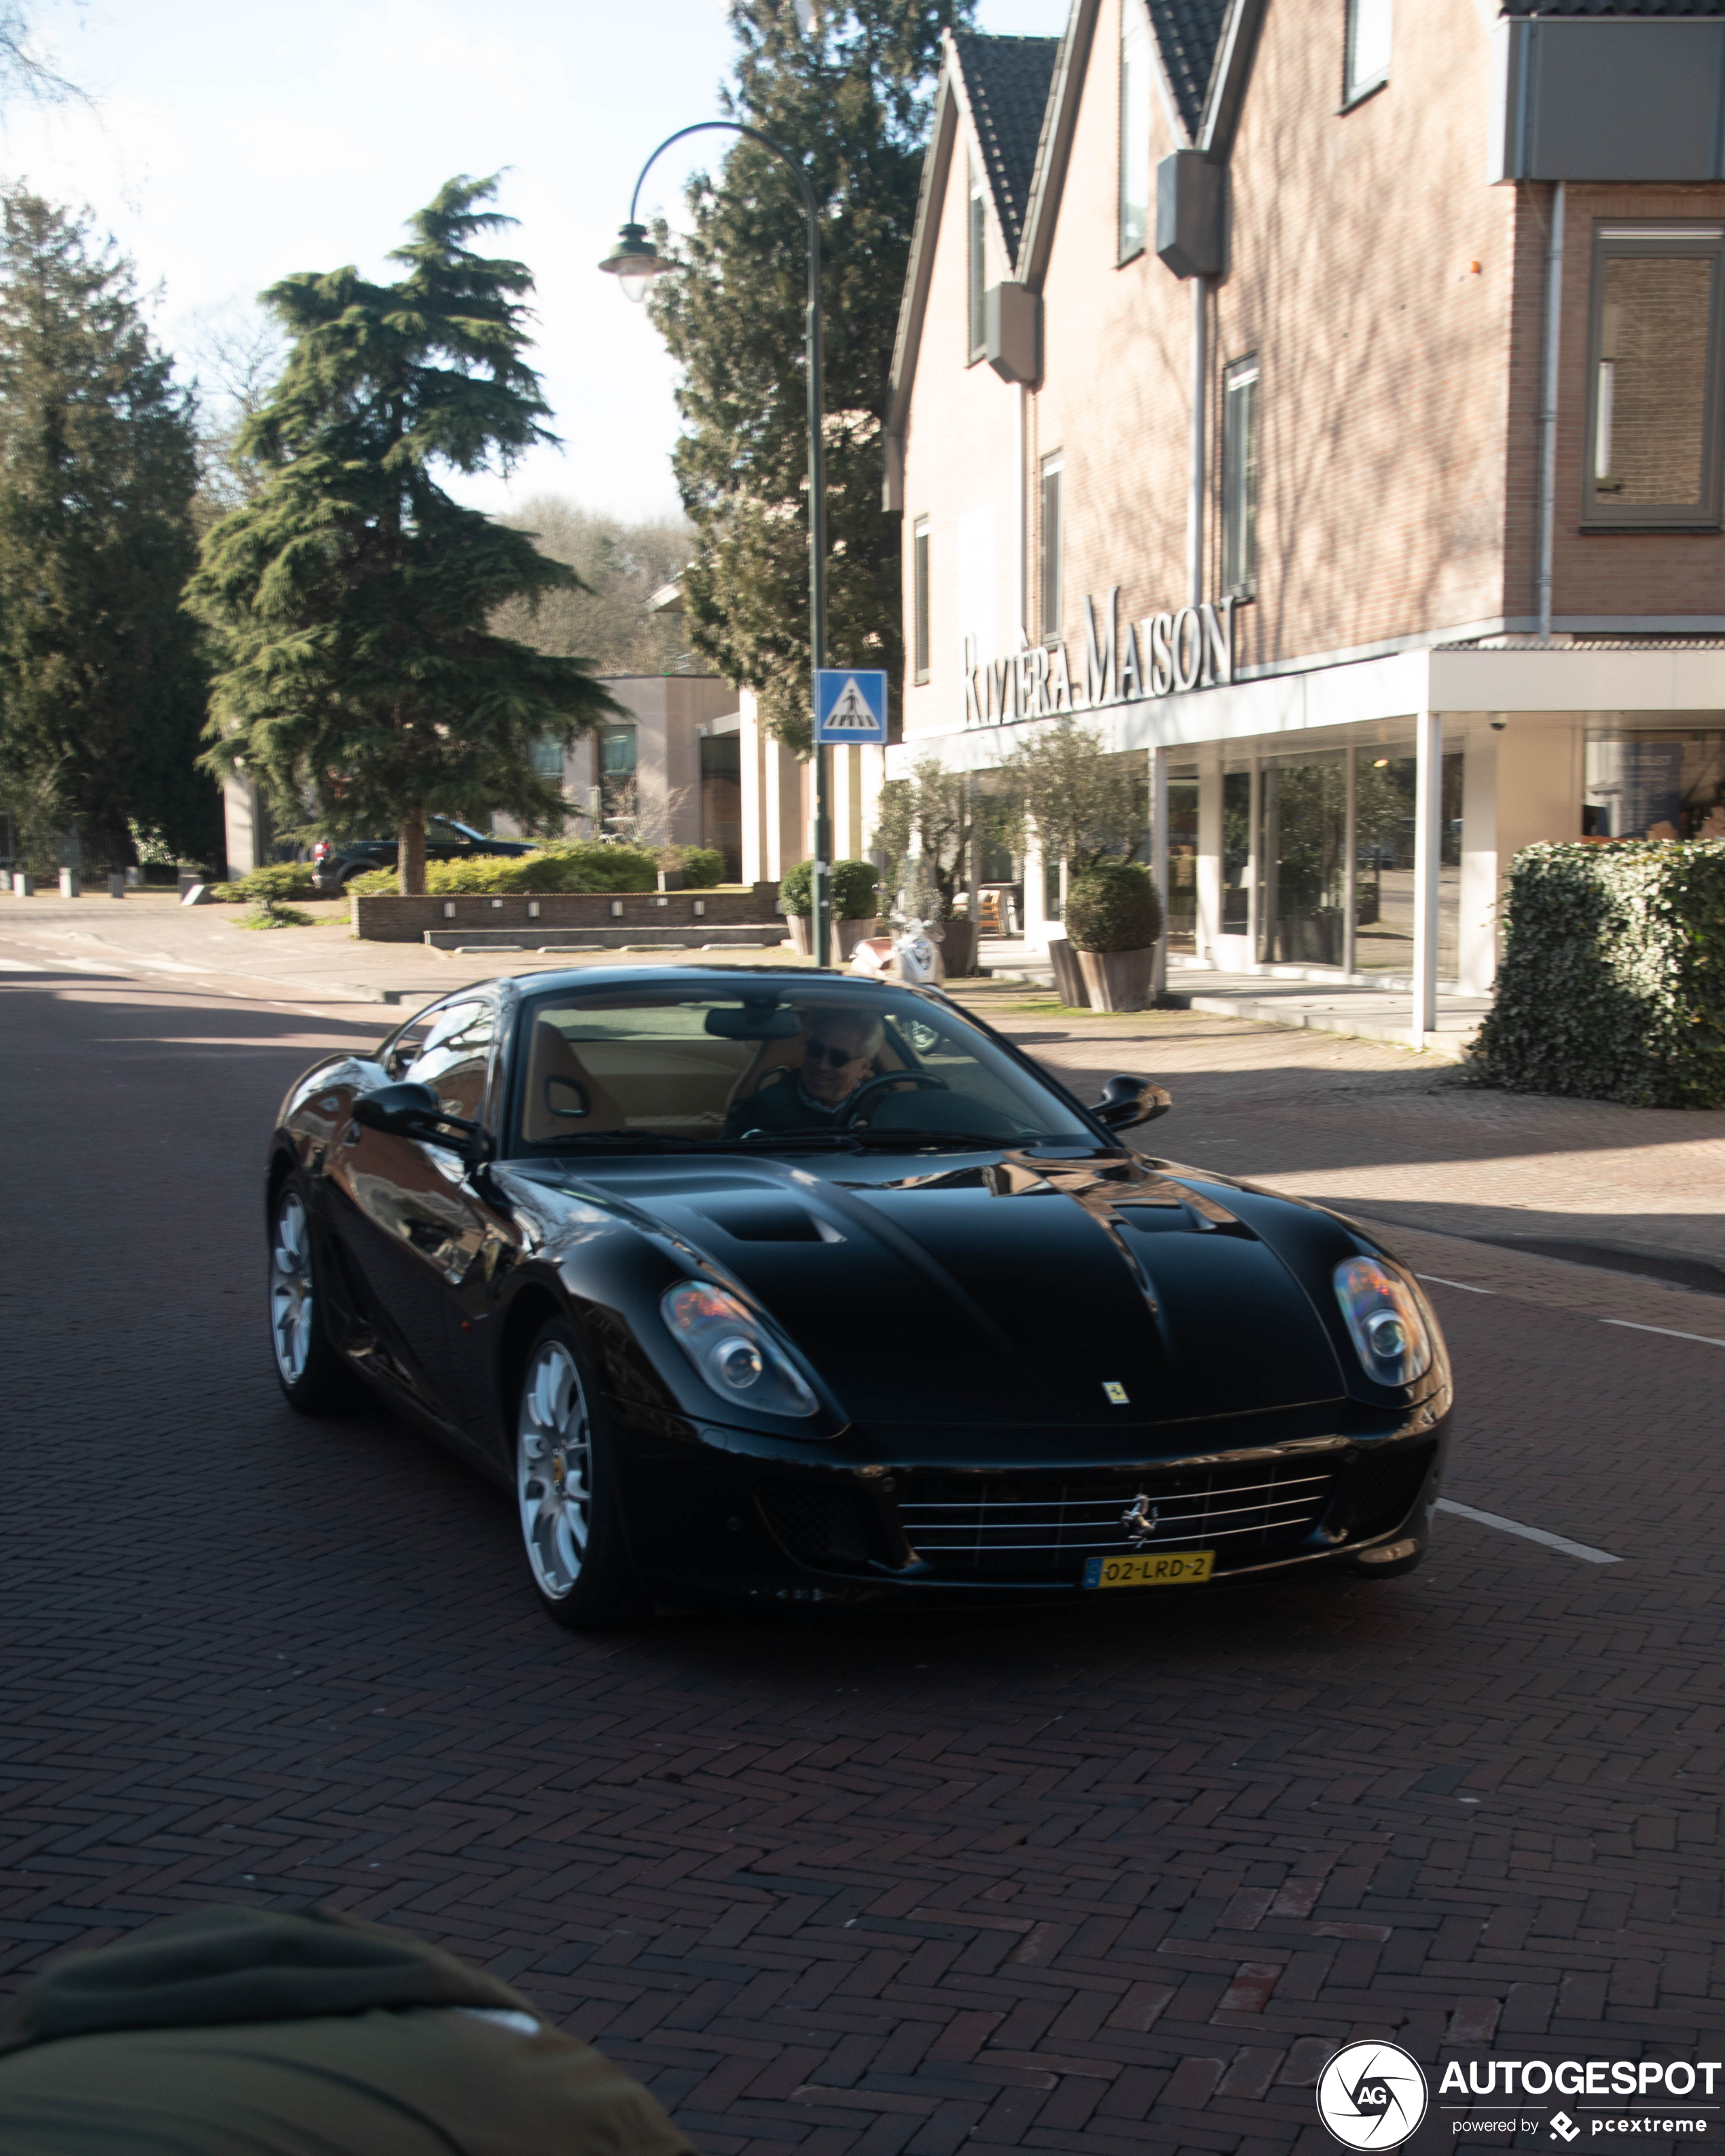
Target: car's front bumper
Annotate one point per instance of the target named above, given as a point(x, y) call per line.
point(756, 1523)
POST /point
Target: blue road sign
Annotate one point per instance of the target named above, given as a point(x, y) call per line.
point(849, 707)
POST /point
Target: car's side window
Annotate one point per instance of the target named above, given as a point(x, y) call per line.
point(454, 1057)
point(397, 1053)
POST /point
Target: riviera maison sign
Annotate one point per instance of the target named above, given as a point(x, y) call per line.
point(1164, 654)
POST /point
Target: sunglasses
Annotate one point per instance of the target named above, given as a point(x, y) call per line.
point(817, 1052)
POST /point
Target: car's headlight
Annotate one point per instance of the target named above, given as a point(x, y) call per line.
point(1383, 1316)
point(733, 1350)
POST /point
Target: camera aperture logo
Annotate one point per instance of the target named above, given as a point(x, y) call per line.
point(1372, 2095)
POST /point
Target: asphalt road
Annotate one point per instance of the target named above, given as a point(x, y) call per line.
point(1101, 1881)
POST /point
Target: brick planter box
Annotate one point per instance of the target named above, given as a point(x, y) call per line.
point(384, 919)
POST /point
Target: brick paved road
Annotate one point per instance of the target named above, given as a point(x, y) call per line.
point(1102, 1881)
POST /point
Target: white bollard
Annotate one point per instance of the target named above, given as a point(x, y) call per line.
point(71, 884)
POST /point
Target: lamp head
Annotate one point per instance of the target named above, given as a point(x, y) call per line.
point(636, 263)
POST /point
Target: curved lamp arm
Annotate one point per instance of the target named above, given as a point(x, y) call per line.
point(822, 894)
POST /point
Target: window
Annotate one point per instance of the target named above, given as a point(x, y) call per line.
point(1368, 67)
point(978, 265)
point(1653, 376)
point(548, 758)
point(919, 603)
point(454, 1057)
point(1240, 480)
point(616, 779)
point(1054, 542)
point(1134, 128)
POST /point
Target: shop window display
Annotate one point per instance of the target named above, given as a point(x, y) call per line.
point(1664, 783)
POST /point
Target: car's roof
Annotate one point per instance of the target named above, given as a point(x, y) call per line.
point(690, 976)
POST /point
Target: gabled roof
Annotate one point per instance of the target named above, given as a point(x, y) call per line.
point(1006, 83)
point(1187, 34)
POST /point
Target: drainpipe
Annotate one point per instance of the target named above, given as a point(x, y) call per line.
point(1021, 462)
point(1200, 378)
point(1549, 415)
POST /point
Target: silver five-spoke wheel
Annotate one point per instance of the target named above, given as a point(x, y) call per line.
point(554, 1469)
point(292, 1308)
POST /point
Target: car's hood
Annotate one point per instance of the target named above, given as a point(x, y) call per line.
point(1017, 1290)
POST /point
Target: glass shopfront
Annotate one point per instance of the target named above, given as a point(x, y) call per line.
point(1302, 849)
point(1183, 863)
point(1387, 779)
point(1655, 783)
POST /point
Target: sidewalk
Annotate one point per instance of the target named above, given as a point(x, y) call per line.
point(152, 934)
point(1322, 1003)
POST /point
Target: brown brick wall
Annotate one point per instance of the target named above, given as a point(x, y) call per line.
point(383, 919)
point(1396, 304)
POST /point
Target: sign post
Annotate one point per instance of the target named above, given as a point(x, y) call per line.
point(849, 709)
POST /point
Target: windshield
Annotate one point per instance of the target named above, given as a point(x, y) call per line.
point(774, 1065)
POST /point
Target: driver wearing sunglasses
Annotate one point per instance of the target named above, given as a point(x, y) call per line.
point(838, 1054)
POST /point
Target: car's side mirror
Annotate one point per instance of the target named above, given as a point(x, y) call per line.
point(410, 1109)
point(1127, 1100)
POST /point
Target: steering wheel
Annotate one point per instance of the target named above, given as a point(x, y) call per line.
point(891, 1078)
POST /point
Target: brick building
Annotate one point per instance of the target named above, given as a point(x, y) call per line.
point(1322, 396)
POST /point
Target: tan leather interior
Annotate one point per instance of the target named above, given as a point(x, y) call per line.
point(553, 1059)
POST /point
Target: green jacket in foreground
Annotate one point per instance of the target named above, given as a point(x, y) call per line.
point(229, 2031)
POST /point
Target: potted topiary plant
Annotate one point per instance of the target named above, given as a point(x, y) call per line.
point(1113, 919)
point(853, 904)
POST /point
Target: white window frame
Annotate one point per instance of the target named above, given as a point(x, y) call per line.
point(1239, 514)
point(1364, 72)
point(1134, 132)
point(976, 265)
point(1051, 563)
point(921, 643)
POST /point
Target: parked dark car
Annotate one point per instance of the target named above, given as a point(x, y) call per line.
point(334, 864)
point(785, 1285)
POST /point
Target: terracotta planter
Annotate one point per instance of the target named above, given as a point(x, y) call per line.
point(1070, 984)
point(846, 934)
point(1118, 980)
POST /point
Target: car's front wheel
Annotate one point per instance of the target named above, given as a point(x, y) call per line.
point(313, 1377)
point(564, 1495)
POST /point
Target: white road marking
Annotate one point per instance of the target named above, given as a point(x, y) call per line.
point(19, 966)
point(1706, 1339)
point(1584, 1550)
point(1462, 1285)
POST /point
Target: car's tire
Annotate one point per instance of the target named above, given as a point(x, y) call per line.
point(314, 1379)
point(565, 1492)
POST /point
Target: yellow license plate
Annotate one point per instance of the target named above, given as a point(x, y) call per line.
point(1166, 1569)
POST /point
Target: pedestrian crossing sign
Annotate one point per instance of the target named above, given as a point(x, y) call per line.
point(848, 706)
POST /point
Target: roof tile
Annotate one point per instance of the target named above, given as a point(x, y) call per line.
point(1007, 81)
point(1188, 33)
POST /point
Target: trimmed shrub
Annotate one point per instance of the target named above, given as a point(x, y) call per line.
point(1112, 908)
point(1613, 982)
point(853, 890)
point(702, 866)
point(577, 865)
point(276, 880)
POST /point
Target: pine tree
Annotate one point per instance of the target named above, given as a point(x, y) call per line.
point(350, 599)
point(845, 87)
point(102, 692)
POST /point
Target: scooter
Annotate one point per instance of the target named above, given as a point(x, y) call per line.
point(913, 956)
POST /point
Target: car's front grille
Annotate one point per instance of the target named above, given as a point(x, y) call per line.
point(1021, 1526)
point(820, 1525)
point(1384, 1487)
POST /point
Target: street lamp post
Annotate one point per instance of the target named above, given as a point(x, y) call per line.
point(636, 263)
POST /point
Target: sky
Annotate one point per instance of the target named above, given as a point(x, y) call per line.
point(226, 145)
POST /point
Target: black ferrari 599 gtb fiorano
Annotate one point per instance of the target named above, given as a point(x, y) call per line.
point(785, 1285)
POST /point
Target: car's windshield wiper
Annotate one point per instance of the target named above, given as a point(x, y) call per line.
point(954, 1139)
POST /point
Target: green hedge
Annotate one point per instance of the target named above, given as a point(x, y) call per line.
point(575, 866)
point(702, 866)
point(853, 885)
point(1113, 907)
point(1613, 982)
point(277, 880)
